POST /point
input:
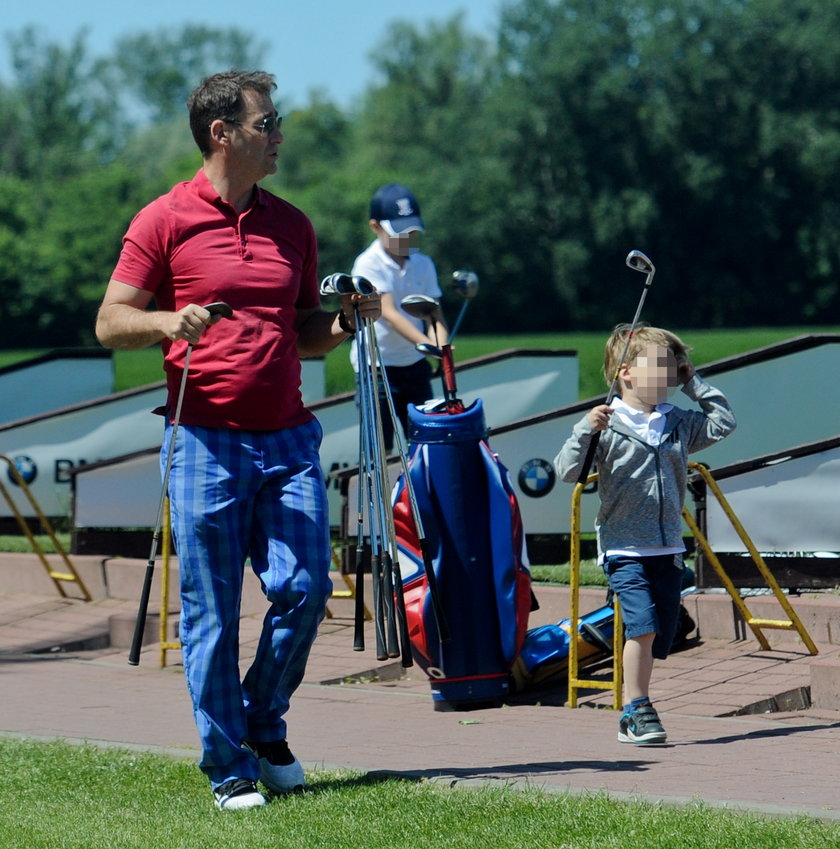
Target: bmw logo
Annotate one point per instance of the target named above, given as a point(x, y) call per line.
point(536, 477)
point(26, 469)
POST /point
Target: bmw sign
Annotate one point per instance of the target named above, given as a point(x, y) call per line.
point(536, 477)
point(26, 468)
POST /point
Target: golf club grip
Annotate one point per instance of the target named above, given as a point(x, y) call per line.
point(448, 373)
point(378, 610)
point(589, 458)
point(391, 638)
point(402, 621)
point(140, 623)
point(359, 618)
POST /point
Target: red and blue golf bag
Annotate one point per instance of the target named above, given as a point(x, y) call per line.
point(476, 544)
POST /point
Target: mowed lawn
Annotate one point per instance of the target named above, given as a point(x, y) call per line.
point(62, 796)
point(138, 368)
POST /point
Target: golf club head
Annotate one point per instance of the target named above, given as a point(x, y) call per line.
point(363, 286)
point(420, 306)
point(428, 350)
point(465, 283)
point(641, 262)
point(338, 284)
point(219, 308)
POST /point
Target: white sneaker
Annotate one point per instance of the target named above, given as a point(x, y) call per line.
point(237, 795)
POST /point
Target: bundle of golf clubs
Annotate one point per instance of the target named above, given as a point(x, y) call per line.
point(373, 504)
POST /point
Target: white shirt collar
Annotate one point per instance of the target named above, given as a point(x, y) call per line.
point(647, 426)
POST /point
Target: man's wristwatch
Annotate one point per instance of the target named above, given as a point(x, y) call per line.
point(344, 324)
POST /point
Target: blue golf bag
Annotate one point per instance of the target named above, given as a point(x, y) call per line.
point(476, 542)
point(544, 655)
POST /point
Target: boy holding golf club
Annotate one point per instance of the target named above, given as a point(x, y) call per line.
point(394, 264)
point(641, 456)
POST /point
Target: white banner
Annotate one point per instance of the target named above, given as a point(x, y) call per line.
point(521, 384)
point(789, 505)
point(62, 378)
point(46, 448)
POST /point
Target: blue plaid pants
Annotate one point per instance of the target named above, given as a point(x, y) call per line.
point(237, 494)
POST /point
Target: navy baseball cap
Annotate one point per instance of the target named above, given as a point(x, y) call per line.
point(396, 209)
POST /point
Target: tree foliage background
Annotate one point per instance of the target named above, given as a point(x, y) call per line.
point(704, 132)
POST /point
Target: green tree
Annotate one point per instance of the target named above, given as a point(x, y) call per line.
point(161, 68)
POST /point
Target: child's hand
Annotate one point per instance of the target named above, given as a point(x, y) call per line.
point(599, 417)
point(685, 371)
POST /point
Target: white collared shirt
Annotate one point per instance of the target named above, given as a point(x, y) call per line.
point(649, 427)
point(416, 277)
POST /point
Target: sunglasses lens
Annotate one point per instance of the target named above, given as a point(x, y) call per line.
point(270, 123)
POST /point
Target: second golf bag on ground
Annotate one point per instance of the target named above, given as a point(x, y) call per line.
point(544, 655)
point(476, 540)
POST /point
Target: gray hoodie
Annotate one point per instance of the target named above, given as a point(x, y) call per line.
point(642, 487)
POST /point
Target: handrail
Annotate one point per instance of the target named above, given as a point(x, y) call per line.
point(57, 577)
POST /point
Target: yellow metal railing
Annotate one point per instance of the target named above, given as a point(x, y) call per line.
point(58, 578)
point(575, 682)
point(165, 553)
point(793, 623)
point(756, 625)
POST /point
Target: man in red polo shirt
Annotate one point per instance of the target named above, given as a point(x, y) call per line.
point(245, 478)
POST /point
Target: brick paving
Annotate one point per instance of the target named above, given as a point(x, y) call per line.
point(58, 680)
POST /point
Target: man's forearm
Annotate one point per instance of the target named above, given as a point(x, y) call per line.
point(319, 334)
point(127, 328)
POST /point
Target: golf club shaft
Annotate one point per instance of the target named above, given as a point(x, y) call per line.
point(368, 480)
point(428, 565)
point(386, 519)
point(596, 437)
point(140, 623)
point(458, 321)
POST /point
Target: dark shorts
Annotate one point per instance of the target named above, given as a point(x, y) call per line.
point(648, 589)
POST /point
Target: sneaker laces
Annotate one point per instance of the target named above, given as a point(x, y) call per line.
point(235, 787)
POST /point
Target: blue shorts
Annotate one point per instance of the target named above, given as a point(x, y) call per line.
point(648, 589)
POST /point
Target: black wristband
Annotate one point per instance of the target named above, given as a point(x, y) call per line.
point(344, 324)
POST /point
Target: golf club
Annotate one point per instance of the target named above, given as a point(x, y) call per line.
point(424, 307)
point(373, 489)
point(344, 284)
point(224, 310)
point(465, 283)
point(642, 263)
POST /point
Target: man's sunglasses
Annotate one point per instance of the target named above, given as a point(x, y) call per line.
point(269, 123)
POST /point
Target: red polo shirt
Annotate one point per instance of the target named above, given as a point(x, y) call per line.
point(190, 246)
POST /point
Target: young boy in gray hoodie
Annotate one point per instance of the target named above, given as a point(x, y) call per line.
point(641, 460)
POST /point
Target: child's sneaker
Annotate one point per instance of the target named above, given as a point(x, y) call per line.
point(641, 726)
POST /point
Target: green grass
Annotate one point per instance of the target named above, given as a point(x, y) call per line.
point(591, 574)
point(81, 797)
point(20, 544)
point(138, 368)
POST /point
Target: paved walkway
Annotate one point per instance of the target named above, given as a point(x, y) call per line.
point(354, 712)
